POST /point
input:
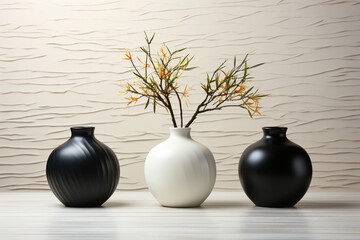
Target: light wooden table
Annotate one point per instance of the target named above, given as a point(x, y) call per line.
point(136, 215)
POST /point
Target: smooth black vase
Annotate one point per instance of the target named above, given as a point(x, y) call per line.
point(275, 172)
point(83, 172)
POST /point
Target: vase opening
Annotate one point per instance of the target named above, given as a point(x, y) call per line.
point(275, 131)
point(180, 132)
point(82, 131)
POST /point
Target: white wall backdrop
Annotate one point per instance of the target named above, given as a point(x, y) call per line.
point(61, 64)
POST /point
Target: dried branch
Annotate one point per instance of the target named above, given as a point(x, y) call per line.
point(222, 89)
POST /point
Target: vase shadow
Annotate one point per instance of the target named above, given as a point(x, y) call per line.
point(115, 204)
point(108, 204)
point(301, 205)
point(225, 204)
point(326, 205)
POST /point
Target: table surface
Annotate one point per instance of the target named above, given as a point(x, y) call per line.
point(137, 215)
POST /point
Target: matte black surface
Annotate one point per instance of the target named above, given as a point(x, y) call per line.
point(82, 172)
point(275, 172)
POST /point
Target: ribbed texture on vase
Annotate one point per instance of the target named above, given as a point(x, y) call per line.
point(83, 172)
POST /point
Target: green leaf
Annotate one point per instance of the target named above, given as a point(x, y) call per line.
point(147, 38)
point(257, 65)
point(177, 51)
point(205, 88)
point(190, 59)
point(147, 103)
point(152, 38)
point(144, 50)
point(139, 76)
point(243, 61)
point(136, 74)
point(245, 70)
point(191, 68)
point(131, 88)
point(169, 50)
point(184, 59)
point(249, 90)
point(249, 113)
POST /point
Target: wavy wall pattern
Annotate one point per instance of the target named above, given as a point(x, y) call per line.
point(61, 64)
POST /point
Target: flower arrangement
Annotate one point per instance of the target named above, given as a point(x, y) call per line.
point(159, 75)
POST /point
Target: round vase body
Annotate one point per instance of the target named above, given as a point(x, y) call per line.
point(275, 172)
point(180, 172)
point(82, 172)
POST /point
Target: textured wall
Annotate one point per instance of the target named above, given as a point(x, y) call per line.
point(61, 64)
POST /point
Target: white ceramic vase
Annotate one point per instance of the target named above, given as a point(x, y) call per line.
point(180, 172)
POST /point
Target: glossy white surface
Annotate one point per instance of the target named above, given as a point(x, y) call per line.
point(137, 215)
point(180, 172)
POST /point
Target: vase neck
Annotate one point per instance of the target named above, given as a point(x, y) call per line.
point(275, 133)
point(82, 131)
point(180, 132)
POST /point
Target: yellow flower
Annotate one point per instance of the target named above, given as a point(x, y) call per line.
point(185, 93)
point(256, 111)
point(123, 89)
point(132, 99)
point(240, 89)
point(145, 65)
point(256, 102)
point(163, 52)
point(162, 73)
point(128, 55)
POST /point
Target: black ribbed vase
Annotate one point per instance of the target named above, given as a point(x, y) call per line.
point(275, 172)
point(83, 172)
